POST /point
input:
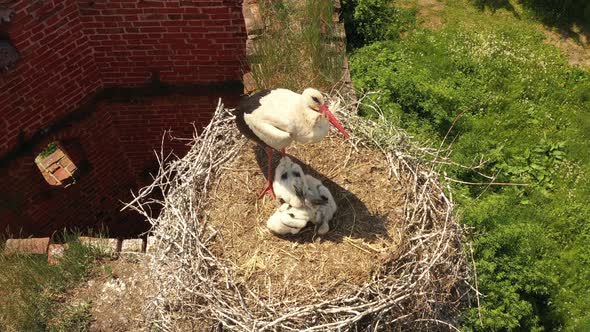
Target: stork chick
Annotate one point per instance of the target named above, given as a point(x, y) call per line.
point(288, 220)
point(289, 183)
point(320, 201)
point(276, 118)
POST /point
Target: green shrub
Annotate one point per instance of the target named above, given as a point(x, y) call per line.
point(367, 21)
point(526, 112)
point(49, 149)
point(559, 11)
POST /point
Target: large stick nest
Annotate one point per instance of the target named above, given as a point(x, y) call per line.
point(392, 261)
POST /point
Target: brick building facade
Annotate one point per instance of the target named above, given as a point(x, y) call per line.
point(105, 79)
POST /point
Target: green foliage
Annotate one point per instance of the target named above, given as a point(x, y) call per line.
point(538, 165)
point(49, 149)
point(367, 21)
point(73, 318)
point(560, 13)
point(33, 289)
point(525, 111)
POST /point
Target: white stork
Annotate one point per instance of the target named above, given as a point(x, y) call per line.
point(289, 183)
point(319, 199)
point(276, 118)
point(288, 220)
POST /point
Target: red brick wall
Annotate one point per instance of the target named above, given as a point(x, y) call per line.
point(186, 41)
point(56, 71)
point(32, 207)
point(115, 145)
point(73, 49)
point(140, 125)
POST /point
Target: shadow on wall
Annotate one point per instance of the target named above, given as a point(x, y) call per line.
point(108, 80)
point(113, 148)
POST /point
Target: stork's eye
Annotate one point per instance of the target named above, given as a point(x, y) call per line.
point(316, 99)
point(284, 176)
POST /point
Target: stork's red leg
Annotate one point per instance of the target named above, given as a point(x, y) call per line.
point(268, 188)
point(283, 152)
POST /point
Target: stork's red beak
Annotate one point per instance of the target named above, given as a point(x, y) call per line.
point(326, 112)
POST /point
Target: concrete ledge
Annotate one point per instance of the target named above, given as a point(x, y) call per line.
point(55, 251)
point(108, 246)
point(132, 246)
point(27, 246)
point(252, 18)
point(152, 245)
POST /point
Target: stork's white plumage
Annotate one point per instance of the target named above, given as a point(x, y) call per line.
point(319, 199)
point(303, 198)
point(289, 183)
point(285, 116)
point(288, 220)
point(276, 118)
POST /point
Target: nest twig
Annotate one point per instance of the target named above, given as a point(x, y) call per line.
point(421, 287)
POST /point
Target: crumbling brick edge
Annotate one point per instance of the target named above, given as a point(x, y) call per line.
point(55, 251)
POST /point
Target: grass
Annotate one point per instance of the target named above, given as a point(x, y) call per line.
point(297, 48)
point(563, 14)
point(32, 291)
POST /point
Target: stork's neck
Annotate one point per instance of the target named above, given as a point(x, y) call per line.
point(313, 126)
point(310, 117)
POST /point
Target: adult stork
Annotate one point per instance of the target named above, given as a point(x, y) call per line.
point(276, 118)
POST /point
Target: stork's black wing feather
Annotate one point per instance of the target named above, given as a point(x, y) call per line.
point(249, 103)
point(318, 202)
point(299, 193)
point(246, 106)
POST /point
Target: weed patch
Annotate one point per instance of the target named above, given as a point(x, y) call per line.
point(31, 291)
point(297, 49)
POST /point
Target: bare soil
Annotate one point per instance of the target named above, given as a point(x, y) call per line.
point(573, 43)
point(117, 291)
point(429, 13)
point(363, 231)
